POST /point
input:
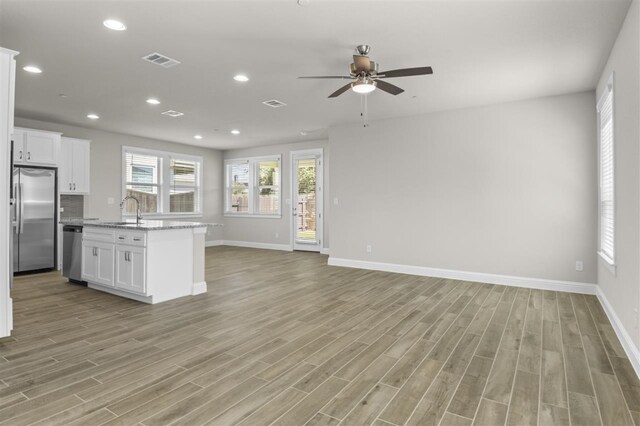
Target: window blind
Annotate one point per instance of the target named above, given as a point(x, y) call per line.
point(607, 207)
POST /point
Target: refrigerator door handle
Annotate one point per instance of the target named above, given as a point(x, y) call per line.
point(14, 205)
point(21, 203)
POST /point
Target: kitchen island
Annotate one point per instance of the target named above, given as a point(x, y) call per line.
point(152, 261)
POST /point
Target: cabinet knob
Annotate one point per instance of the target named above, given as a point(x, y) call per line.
point(69, 187)
point(20, 153)
point(28, 155)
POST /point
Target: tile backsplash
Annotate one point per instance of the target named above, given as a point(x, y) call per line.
point(73, 206)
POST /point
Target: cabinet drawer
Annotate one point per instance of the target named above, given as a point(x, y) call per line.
point(131, 238)
point(96, 234)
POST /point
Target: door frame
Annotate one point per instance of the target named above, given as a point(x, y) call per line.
point(293, 156)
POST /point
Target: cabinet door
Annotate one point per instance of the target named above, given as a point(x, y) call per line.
point(80, 166)
point(138, 261)
point(65, 167)
point(89, 262)
point(123, 268)
point(41, 148)
point(18, 147)
point(105, 264)
point(131, 269)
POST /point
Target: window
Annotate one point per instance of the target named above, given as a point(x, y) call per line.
point(253, 186)
point(165, 183)
point(606, 175)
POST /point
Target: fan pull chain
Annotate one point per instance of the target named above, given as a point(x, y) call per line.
point(365, 111)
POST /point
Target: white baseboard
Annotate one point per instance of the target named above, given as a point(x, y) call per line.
point(627, 343)
point(324, 251)
point(542, 284)
point(199, 288)
point(268, 246)
point(213, 243)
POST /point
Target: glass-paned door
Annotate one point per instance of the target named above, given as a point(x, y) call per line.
point(307, 201)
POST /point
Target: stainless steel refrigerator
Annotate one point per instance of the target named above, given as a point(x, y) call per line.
point(34, 218)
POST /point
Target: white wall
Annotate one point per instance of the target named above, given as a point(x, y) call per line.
point(622, 289)
point(264, 230)
point(506, 189)
point(106, 170)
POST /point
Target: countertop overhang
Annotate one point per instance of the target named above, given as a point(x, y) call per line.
point(144, 225)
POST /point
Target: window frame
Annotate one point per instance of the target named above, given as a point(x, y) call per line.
point(164, 182)
point(253, 187)
point(607, 258)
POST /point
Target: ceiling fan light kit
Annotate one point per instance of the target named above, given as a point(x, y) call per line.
point(363, 86)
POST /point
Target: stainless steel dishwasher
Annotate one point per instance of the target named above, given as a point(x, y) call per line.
point(72, 253)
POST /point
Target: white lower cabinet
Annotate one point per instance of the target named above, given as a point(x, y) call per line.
point(131, 268)
point(149, 266)
point(97, 262)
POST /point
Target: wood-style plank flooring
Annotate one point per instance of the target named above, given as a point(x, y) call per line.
point(281, 338)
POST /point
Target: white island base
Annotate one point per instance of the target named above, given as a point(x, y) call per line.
point(148, 265)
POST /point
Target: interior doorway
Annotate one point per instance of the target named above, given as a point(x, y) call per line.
point(306, 200)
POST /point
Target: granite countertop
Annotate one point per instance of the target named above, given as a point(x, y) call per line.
point(145, 225)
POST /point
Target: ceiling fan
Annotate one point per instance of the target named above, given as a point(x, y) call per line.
point(366, 77)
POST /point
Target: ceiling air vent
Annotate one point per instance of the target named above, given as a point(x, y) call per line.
point(172, 113)
point(274, 103)
point(158, 59)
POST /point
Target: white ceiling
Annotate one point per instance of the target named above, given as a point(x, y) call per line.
point(482, 52)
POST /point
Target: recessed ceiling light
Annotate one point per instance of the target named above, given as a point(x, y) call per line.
point(32, 69)
point(235, 132)
point(172, 113)
point(93, 116)
point(198, 137)
point(112, 24)
point(62, 95)
point(153, 101)
point(241, 77)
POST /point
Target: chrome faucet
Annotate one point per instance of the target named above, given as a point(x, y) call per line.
point(138, 214)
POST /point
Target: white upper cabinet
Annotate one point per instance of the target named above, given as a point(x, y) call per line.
point(74, 166)
point(35, 147)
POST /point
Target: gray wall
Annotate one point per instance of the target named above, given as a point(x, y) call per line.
point(622, 289)
point(106, 170)
point(504, 189)
point(264, 230)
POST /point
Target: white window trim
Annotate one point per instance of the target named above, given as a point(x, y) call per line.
point(253, 186)
point(165, 176)
point(607, 261)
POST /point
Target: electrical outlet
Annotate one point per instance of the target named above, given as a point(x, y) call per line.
point(277, 235)
point(368, 248)
point(335, 201)
point(579, 266)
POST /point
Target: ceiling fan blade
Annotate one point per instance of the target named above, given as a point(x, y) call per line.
point(329, 76)
point(340, 91)
point(406, 72)
point(388, 87)
point(362, 63)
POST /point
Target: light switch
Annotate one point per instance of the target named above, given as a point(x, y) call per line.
point(335, 201)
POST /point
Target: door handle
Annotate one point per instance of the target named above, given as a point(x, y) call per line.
point(20, 154)
point(28, 155)
point(69, 187)
point(74, 186)
point(21, 223)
